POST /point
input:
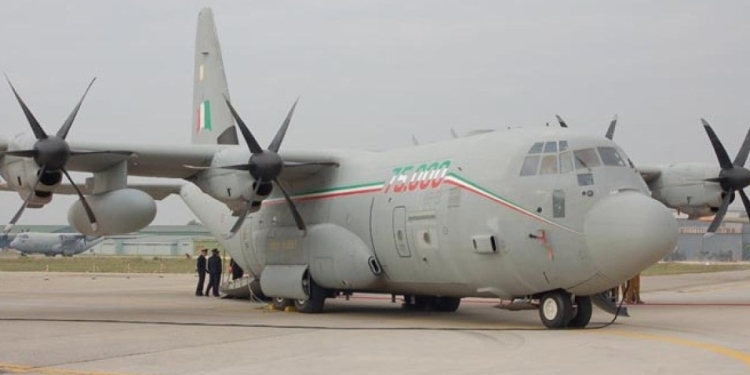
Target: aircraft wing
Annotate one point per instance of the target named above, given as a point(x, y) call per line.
point(175, 161)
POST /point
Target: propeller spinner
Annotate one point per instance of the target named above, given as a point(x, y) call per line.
point(734, 177)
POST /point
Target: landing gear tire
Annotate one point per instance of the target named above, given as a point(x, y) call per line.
point(555, 309)
point(446, 304)
point(280, 303)
point(314, 304)
point(583, 312)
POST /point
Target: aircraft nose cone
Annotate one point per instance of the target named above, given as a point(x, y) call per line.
point(627, 232)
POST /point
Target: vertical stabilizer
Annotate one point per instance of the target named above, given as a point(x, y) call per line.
point(212, 121)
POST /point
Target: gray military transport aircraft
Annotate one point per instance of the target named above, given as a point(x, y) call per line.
point(49, 244)
point(548, 214)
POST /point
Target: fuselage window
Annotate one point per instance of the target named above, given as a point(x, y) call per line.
point(611, 157)
point(550, 147)
point(586, 158)
point(566, 162)
point(585, 179)
point(549, 165)
point(530, 165)
point(536, 148)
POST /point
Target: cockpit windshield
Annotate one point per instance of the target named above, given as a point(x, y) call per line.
point(547, 158)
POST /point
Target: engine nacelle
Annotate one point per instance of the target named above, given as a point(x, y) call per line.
point(117, 212)
point(684, 187)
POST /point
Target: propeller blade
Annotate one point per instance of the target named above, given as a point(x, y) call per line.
point(297, 217)
point(745, 201)
point(276, 143)
point(741, 158)
point(17, 216)
point(720, 215)
point(611, 130)
point(39, 133)
point(238, 224)
point(292, 164)
point(721, 153)
point(86, 207)
point(240, 220)
point(21, 153)
point(716, 179)
point(24, 205)
point(252, 144)
point(63, 132)
point(561, 122)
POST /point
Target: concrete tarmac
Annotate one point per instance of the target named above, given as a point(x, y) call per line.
point(154, 324)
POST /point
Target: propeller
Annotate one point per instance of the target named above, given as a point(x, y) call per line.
point(51, 153)
point(734, 177)
point(610, 131)
point(561, 121)
point(265, 166)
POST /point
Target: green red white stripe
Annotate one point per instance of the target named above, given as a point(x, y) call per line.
point(204, 116)
point(455, 180)
point(343, 191)
point(450, 179)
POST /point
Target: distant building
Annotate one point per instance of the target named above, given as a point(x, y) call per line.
point(731, 242)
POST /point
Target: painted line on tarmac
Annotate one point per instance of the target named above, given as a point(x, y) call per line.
point(738, 355)
point(689, 304)
point(19, 369)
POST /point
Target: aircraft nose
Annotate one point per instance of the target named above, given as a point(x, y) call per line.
point(627, 232)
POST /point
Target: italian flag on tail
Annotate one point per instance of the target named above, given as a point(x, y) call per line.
point(204, 116)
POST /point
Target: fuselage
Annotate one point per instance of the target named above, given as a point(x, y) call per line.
point(504, 214)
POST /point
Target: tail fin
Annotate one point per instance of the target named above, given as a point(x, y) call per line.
point(212, 121)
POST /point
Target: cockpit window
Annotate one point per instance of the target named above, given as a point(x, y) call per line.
point(563, 146)
point(550, 147)
point(566, 162)
point(536, 148)
point(611, 157)
point(586, 158)
point(530, 165)
point(549, 165)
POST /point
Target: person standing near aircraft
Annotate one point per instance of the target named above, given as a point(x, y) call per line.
point(214, 272)
point(200, 267)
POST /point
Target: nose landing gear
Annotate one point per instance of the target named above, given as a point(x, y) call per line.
point(558, 310)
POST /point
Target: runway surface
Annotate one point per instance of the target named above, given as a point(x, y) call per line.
point(153, 324)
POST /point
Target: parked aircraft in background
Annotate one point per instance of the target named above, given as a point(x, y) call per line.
point(49, 244)
point(548, 214)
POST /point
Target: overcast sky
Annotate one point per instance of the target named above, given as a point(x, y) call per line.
point(372, 73)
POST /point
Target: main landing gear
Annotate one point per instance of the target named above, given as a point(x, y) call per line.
point(558, 309)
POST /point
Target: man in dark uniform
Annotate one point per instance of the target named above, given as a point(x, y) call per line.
point(200, 267)
point(214, 272)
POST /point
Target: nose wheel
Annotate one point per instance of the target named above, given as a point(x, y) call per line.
point(555, 309)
